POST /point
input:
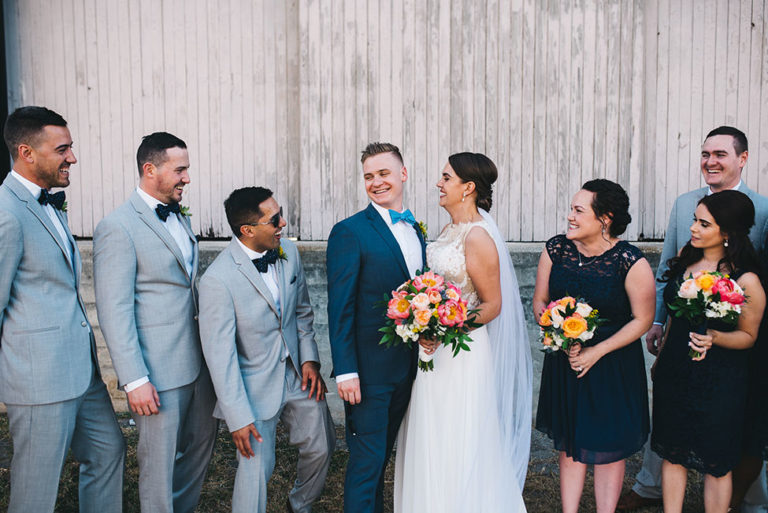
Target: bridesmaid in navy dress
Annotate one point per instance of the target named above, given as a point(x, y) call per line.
point(699, 404)
point(593, 403)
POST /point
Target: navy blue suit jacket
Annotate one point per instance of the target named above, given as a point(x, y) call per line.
point(364, 264)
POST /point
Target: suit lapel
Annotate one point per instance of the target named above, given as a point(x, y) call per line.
point(149, 217)
point(423, 246)
point(247, 268)
point(36, 209)
point(76, 261)
point(281, 285)
point(377, 223)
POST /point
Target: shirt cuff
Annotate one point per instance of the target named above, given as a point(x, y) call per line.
point(657, 323)
point(346, 377)
point(133, 385)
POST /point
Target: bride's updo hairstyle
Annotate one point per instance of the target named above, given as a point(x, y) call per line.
point(610, 199)
point(477, 168)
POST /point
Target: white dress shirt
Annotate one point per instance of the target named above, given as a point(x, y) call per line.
point(174, 227)
point(49, 209)
point(185, 244)
point(410, 246)
point(269, 277)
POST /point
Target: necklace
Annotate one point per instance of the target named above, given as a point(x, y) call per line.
point(586, 262)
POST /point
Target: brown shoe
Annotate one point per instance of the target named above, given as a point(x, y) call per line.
point(631, 501)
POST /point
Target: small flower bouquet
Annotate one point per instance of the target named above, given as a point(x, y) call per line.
point(708, 295)
point(431, 307)
point(566, 322)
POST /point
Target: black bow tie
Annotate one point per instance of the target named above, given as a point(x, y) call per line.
point(270, 257)
point(56, 200)
point(163, 211)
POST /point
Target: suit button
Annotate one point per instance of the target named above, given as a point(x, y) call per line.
point(195, 317)
point(84, 324)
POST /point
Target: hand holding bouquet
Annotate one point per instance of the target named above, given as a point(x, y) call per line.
point(708, 295)
point(428, 306)
point(566, 322)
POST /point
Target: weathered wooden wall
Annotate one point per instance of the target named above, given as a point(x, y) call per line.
point(286, 94)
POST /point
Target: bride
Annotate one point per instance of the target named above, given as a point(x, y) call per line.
point(465, 440)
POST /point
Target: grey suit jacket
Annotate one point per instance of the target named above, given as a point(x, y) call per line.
point(146, 301)
point(47, 351)
point(244, 338)
point(678, 233)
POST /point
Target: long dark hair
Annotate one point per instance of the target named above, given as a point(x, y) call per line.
point(735, 214)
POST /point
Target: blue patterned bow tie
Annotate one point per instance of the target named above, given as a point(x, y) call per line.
point(405, 216)
point(270, 257)
point(55, 200)
point(163, 211)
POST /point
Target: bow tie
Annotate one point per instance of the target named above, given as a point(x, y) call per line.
point(55, 200)
point(270, 257)
point(405, 216)
point(163, 211)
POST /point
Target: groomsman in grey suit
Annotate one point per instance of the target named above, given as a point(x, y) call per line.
point(145, 259)
point(723, 156)
point(258, 340)
point(49, 373)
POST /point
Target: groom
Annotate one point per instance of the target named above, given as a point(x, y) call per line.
point(369, 255)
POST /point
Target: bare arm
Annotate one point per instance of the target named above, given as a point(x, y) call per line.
point(483, 269)
point(641, 291)
point(541, 293)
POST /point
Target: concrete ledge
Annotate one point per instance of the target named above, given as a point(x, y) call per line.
point(525, 257)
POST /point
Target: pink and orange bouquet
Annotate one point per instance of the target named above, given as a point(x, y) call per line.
point(566, 322)
point(708, 295)
point(431, 307)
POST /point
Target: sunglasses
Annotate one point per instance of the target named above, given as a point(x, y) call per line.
point(274, 220)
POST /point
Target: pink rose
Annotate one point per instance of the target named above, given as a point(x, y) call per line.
point(422, 316)
point(727, 289)
point(452, 292)
point(688, 290)
point(434, 296)
point(420, 301)
point(398, 308)
point(427, 280)
point(452, 313)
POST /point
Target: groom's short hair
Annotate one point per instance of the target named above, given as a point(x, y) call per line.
point(375, 148)
point(242, 206)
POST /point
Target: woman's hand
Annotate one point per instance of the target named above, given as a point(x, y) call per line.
point(700, 344)
point(584, 358)
point(430, 345)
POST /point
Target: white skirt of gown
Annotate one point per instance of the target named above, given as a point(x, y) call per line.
point(449, 456)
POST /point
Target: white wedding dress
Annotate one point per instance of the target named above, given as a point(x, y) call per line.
point(450, 452)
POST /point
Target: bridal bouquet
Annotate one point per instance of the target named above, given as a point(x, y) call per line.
point(566, 322)
point(428, 306)
point(708, 295)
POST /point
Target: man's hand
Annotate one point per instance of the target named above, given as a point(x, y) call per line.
point(653, 339)
point(144, 400)
point(310, 372)
point(349, 390)
point(242, 439)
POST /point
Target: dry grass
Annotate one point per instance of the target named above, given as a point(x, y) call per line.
point(541, 492)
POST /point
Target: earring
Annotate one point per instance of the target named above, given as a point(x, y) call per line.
point(725, 243)
point(463, 196)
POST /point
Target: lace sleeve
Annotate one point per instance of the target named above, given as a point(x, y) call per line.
point(555, 248)
point(628, 255)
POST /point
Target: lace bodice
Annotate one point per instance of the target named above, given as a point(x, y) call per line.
point(446, 256)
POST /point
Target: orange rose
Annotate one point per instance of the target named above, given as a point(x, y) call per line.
point(546, 318)
point(705, 282)
point(574, 326)
point(567, 301)
point(547, 341)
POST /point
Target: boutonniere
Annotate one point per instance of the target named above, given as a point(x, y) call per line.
point(281, 253)
point(422, 228)
point(63, 207)
point(184, 210)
